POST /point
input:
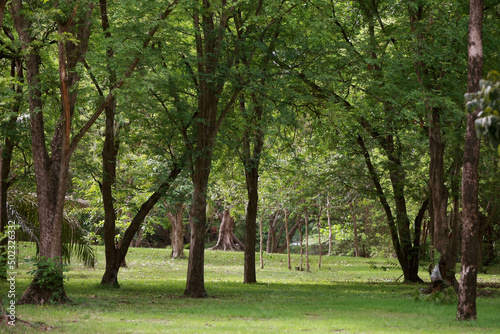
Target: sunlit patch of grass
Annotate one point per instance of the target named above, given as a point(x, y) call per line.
point(348, 295)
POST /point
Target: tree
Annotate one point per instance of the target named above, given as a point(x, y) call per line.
point(437, 76)
point(466, 309)
point(115, 253)
point(72, 20)
point(177, 232)
point(225, 40)
point(73, 32)
point(9, 128)
point(227, 240)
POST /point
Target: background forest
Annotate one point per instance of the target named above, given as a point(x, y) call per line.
point(253, 126)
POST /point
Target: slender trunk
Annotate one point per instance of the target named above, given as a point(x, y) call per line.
point(287, 242)
point(252, 161)
point(319, 237)
point(307, 242)
point(329, 227)
point(301, 250)
point(109, 162)
point(399, 227)
point(116, 255)
point(466, 309)
point(356, 242)
point(6, 151)
point(261, 246)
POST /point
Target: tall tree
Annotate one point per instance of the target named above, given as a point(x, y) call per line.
point(72, 20)
point(210, 24)
point(52, 164)
point(466, 309)
point(433, 77)
point(116, 252)
point(225, 37)
point(9, 129)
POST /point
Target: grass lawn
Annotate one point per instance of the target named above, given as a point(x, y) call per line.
point(347, 295)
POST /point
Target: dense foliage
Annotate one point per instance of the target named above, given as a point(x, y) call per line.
point(325, 118)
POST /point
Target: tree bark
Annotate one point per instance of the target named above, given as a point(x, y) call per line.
point(329, 226)
point(51, 170)
point(115, 254)
point(227, 240)
point(211, 83)
point(261, 246)
point(406, 253)
point(356, 242)
point(307, 242)
point(6, 151)
point(287, 242)
point(319, 237)
point(252, 161)
point(466, 309)
point(177, 232)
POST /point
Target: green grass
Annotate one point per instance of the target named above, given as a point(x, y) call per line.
point(348, 295)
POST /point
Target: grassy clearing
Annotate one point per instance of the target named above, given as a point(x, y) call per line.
point(348, 295)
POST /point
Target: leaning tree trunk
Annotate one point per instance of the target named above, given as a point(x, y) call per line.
point(177, 232)
point(466, 309)
point(399, 228)
point(116, 254)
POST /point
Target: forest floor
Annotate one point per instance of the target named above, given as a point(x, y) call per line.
point(347, 295)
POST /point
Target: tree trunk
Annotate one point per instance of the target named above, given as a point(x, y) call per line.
point(115, 253)
point(287, 242)
point(307, 242)
point(301, 250)
point(6, 151)
point(319, 237)
point(249, 274)
point(251, 160)
point(291, 233)
point(271, 234)
point(399, 228)
point(195, 285)
point(51, 170)
point(466, 309)
point(211, 84)
point(261, 246)
point(329, 227)
point(177, 232)
point(356, 242)
point(227, 240)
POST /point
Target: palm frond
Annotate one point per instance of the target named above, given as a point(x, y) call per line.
point(23, 210)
